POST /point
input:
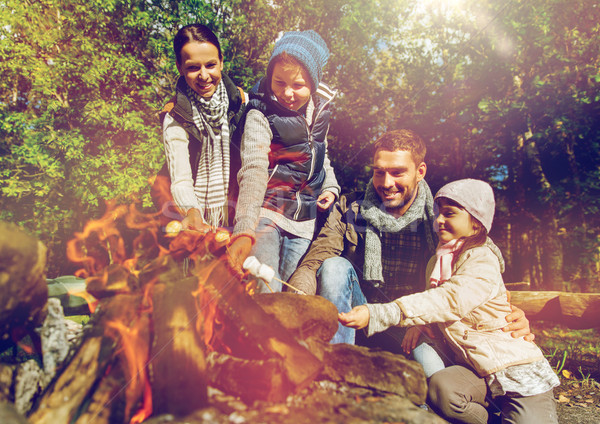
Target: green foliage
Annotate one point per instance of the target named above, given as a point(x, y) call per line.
point(504, 91)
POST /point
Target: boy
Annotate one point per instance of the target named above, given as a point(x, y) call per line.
point(286, 174)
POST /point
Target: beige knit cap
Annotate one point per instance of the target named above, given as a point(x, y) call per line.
point(476, 196)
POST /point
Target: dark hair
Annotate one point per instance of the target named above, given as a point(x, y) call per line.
point(194, 32)
point(475, 240)
point(406, 140)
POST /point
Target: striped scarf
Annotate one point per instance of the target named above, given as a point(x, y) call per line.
point(212, 181)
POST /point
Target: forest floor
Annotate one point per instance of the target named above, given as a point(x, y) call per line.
point(578, 401)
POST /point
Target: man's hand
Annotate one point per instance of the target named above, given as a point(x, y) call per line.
point(357, 318)
point(325, 200)
point(411, 338)
point(518, 324)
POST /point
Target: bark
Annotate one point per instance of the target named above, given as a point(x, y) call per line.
point(576, 310)
point(23, 291)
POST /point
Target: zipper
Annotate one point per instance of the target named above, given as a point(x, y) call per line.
point(312, 151)
point(272, 173)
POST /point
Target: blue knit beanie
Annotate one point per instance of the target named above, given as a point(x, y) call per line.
point(308, 48)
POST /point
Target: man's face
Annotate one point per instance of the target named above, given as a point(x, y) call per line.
point(395, 178)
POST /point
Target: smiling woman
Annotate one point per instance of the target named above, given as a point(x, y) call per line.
point(201, 133)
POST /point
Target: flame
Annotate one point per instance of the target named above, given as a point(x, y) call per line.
point(91, 301)
point(134, 349)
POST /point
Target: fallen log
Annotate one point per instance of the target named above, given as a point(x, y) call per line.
point(575, 310)
point(23, 290)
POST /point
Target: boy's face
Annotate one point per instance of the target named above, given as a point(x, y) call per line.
point(395, 179)
point(201, 67)
point(291, 85)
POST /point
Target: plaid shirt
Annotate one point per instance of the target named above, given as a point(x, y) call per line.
point(404, 257)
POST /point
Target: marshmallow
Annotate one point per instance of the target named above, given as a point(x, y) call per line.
point(254, 267)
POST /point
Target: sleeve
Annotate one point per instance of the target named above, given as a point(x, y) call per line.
point(382, 316)
point(176, 141)
point(330, 183)
point(254, 173)
point(476, 281)
point(328, 244)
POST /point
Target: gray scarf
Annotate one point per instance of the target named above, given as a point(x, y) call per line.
point(379, 221)
point(212, 179)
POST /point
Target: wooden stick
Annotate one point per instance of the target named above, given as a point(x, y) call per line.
point(289, 285)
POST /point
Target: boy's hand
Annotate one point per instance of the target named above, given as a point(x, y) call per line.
point(411, 338)
point(357, 318)
point(325, 200)
point(240, 249)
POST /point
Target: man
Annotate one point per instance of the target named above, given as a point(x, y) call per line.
point(375, 246)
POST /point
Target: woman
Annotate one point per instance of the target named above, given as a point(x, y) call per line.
point(200, 131)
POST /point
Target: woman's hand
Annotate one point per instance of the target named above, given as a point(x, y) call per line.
point(325, 200)
point(357, 318)
point(411, 338)
point(194, 221)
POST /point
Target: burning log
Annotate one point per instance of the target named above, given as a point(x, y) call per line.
point(177, 349)
point(84, 378)
point(303, 316)
point(23, 291)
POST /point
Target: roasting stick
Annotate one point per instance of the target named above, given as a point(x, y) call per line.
point(251, 264)
point(264, 272)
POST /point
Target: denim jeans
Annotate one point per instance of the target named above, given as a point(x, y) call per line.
point(278, 249)
point(337, 282)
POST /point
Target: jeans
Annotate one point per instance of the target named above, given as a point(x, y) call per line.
point(278, 249)
point(337, 282)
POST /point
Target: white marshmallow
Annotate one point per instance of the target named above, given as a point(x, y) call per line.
point(254, 267)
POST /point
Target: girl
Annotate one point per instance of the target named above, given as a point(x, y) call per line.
point(468, 300)
point(200, 131)
point(286, 174)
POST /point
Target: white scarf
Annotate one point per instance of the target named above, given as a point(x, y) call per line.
point(212, 180)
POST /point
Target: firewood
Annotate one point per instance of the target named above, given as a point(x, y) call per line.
point(23, 291)
point(178, 367)
point(251, 333)
point(303, 316)
point(576, 310)
point(379, 370)
point(68, 396)
point(249, 379)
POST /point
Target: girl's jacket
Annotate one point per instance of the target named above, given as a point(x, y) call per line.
point(470, 309)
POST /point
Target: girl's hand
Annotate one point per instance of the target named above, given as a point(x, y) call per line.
point(357, 318)
point(325, 200)
point(411, 338)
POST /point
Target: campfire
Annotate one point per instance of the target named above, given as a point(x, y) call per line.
point(174, 319)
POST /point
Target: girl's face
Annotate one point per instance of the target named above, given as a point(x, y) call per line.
point(291, 85)
point(452, 222)
point(201, 67)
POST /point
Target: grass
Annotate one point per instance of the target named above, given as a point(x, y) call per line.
point(574, 351)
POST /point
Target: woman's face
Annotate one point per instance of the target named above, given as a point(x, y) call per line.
point(201, 67)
